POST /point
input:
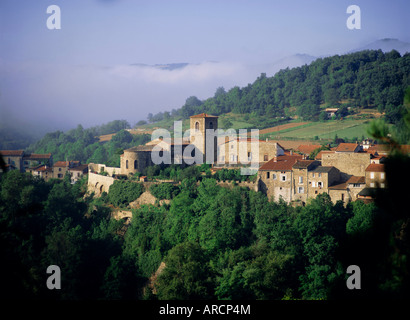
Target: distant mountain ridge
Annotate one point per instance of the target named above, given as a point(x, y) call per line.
point(386, 45)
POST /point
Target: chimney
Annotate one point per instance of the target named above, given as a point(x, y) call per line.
point(275, 159)
point(291, 152)
point(267, 139)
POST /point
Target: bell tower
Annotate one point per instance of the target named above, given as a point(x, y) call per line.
point(198, 135)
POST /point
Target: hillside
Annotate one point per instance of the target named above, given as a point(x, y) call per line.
point(365, 79)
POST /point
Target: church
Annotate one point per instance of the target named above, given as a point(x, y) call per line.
point(136, 159)
point(204, 144)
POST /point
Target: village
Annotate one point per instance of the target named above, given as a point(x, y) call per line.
point(346, 172)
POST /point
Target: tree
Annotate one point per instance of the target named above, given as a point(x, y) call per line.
point(187, 274)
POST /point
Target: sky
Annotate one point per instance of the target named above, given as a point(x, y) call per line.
point(98, 66)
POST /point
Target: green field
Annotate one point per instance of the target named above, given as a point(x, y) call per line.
point(346, 129)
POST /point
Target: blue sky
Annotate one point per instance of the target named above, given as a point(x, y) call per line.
point(86, 63)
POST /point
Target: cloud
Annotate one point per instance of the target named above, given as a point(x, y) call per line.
point(62, 95)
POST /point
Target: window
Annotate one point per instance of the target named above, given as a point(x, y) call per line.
point(197, 126)
point(265, 157)
point(267, 175)
point(231, 146)
point(320, 175)
point(381, 185)
point(59, 169)
point(313, 184)
point(211, 125)
point(372, 185)
point(126, 164)
point(300, 179)
point(283, 177)
point(301, 190)
point(60, 175)
point(274, 176)
point(249, 156)
point(343, 197)
point(135, 164)
point(382, 175)
point(371, 175)
point(319, 184)
point(313, 175)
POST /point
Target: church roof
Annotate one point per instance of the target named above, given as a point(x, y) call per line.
point(203, 115)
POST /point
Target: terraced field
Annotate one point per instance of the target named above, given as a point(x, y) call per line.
point(322, 130)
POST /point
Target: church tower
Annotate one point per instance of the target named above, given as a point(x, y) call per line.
point(198, 135)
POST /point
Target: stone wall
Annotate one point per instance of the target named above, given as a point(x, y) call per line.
point(98, 183)
point(96, 167)
point(135, 161)
point(349, 163)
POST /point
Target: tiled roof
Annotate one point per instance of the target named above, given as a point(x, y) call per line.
point(356, 180)
point(322, 169)
point(282, 163)
point(203, 115)
point(61, 164)
point(42, 168)
point(81, 167)
point(35, 156)
point(303, 164)
point(339, 186)
point(307, 149)
point(375, 167)
point(346, 147)
point(12, 153)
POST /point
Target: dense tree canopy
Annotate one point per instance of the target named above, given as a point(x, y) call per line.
point(366, 79)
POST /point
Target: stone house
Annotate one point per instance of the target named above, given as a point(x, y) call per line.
point(60, 168)
point(19, 160)
point(34, 160)
point(375, 176)
point(275, 177)
point(77, 172)
point(237, 151)
point(347, 191)
point(321, 178)
point(301, 170)
point(13, 159)
point(43, 171)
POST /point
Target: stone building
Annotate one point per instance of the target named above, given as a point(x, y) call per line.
point(301, 170)
point(43, 171)
point(173, 151)
point(375, 176)
point(19, 160)
point(13, 159)
point(199, 124)
point(77, 172)
point(321, 178)
point(275, 177)
point(293, 178)
point(234, 152)
point(347, 191)
point(348, 158)
point(60, 168)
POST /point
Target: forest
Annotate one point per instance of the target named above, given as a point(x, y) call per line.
point(216, 243)
point(366, 79)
